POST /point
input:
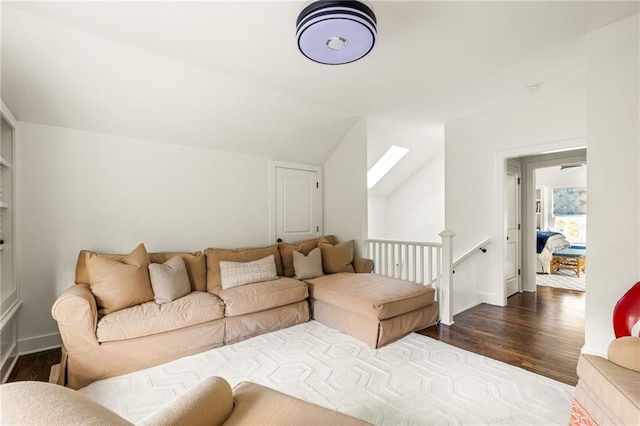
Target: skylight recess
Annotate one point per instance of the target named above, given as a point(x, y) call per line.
point(384, 164)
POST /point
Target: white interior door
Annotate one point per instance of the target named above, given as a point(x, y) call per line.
point(297, 204)
point(512, 218)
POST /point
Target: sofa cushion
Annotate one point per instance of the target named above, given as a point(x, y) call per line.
point(169, 280)
point(304, 247)
point(309, 266)
point(120, 284)
point(215, 255)
point(151, 318)
point(336, 258)
point(262, 296)
point(372, 295)
point(625, 351)
point(195, 263)
point(235, 274)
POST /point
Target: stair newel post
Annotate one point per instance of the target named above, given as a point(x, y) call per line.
point(446, 284)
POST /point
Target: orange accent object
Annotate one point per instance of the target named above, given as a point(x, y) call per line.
point(580, 416)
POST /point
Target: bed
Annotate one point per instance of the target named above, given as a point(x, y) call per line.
point(547, 244)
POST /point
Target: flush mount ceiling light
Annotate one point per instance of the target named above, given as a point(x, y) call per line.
point(336, 32)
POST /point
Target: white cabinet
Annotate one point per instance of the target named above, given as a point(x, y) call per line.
point(9, 288)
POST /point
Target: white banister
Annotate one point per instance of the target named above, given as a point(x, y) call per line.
point(446, 289)
point(422, 262)
point(472, 251)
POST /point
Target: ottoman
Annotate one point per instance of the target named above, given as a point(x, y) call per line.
point(373, 308)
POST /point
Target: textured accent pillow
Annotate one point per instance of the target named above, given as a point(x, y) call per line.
point(309, 266)
point(303, 246)
point(235, 274)
point(118, 285)
point(336, 258)
point(169, 280)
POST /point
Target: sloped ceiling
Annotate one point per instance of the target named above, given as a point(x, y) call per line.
point(227, 75)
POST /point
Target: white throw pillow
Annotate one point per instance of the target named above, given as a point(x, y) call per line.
point(169, 280)
point(309, 266)
point(235, 274)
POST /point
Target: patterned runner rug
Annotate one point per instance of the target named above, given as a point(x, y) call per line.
point(416, 380)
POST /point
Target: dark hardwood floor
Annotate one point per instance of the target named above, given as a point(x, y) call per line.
point(542, 332)
point(35, 366)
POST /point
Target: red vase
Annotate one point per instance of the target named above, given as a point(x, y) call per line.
point(626, 314)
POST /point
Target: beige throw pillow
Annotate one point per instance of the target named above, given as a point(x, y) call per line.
point(235, 274)
point(169, 280)
point(336, 258)
point(309, 266)
point(118, 285)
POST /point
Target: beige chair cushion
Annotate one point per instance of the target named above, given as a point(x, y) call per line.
point(215, 255)
point(195, 263)
point(309, 266)
point(151, 318)
point(258, 405)
point(235, 274)
point(336, 258)
point(208, 403)
point(169, 280)
point(118, 285)
point(625, 351)
point(372, 295)
point(40, 403)
point(262, 296)
point(304, 247)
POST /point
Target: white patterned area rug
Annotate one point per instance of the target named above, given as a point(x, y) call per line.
point(562, 279)
point(414, 381)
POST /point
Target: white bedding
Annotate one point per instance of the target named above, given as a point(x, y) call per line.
point(554, 244)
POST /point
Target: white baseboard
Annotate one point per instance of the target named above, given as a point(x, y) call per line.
point(466, 308)
point(9, 363)
point(39, 343)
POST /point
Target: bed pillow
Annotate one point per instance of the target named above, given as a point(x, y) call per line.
point(120, 284)
point(336, 258)
point(169, 280)
point(235, 274)
point(309, 266)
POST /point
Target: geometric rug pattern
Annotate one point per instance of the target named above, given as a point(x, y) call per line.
point(562, 279)
point(414, 381)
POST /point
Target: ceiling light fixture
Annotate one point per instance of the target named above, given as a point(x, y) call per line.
point(335, 32)
point(384, 164)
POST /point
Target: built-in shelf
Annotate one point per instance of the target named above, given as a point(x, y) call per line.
point(3, 205)
point(4, 162)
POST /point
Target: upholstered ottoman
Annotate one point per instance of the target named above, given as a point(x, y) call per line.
point(375, 309)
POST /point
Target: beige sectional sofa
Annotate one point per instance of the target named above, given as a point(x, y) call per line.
point(104, 336)
point(211, 402)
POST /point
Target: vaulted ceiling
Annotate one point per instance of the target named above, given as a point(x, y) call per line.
point(228, 75)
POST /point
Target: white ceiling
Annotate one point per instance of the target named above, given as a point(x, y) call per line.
point(227, 75)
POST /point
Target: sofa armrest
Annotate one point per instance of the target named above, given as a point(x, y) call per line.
point(210, 402)
point(625, 351)
point(362, 265)
point(77, 315)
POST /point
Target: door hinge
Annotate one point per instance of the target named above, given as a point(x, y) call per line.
point(317, 228)
point(518, 181)
point(518, 227)
point(518, 271)
point(317, 185)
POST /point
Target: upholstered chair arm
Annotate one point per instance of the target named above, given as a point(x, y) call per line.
point(77, 315)
point(363, 265)
point(209, 403)
point(625, 351)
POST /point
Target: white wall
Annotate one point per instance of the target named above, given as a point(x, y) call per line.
point(345, 188)
point(613, 174)
point(377, 218)
point(415, 211)
point(82, 190)
point(553, 177)
point(475, 152)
